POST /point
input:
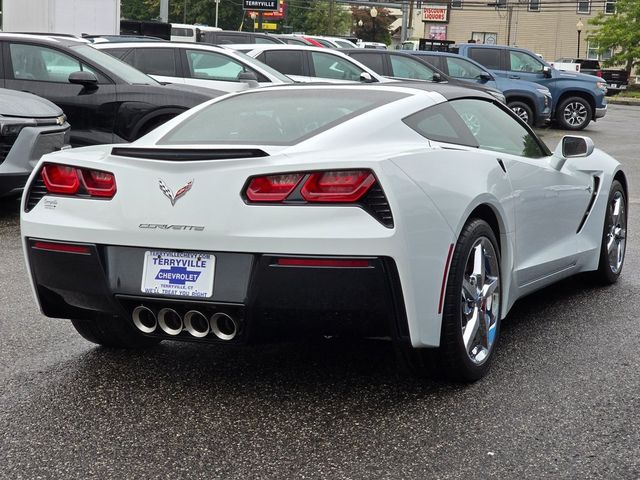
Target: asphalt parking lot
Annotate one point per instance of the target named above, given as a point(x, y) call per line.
point(561, 400)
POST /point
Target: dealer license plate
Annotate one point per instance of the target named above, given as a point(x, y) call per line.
point(182, 274)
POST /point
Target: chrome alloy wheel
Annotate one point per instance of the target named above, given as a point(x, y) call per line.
point(617, 234)
point(480, 300)
point(522, 113)
point(575, 114)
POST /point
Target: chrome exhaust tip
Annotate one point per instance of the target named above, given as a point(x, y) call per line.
point(170, 321)
point(223, 326)
point(144, 319)
point(196, 323)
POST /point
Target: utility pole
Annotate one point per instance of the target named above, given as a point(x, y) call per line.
point(184, 12)
point(405, 21)
point(217, 7)
point(164, 10)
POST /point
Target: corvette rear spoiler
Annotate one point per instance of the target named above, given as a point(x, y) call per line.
point(187, 155)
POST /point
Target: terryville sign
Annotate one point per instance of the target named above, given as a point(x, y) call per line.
point(260, 5)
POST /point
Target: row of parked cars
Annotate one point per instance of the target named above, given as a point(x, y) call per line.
point(116, 90)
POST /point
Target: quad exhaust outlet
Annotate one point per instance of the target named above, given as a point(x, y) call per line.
point(196, 323)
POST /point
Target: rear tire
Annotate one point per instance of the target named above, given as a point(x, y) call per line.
point(523, 111)
point(471, 313)
point(614, 237)
point(113, 332)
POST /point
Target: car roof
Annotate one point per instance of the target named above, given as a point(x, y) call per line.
point(46, 38)
point(162, 44)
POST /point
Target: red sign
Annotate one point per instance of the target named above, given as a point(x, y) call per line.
point(435, 13)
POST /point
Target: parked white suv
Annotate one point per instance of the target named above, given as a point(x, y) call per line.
point(202, 65)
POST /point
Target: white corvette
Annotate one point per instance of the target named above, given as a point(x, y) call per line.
point(420, 213)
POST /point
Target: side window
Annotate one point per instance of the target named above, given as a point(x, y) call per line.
point(489, 57)
point(117, 52)
point(268, 40)
point(523, 62)
point(31, 62)
point(496, 130)
point(213, 66)
point(332, 66)
point(287, 62)
point(373, 61)
point(459, 68)
point(226, 39)
point(155, 61)
point(405, 67)
point(441, 123)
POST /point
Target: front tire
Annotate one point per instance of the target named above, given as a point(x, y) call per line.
point(523, 111)
point(574, 113)
point(112, 332)
point(614, 236)
point(471, 313)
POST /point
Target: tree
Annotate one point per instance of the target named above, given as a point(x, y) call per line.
point(328, 18)
point(197, 11)
point(619, 32)
point(372, 30)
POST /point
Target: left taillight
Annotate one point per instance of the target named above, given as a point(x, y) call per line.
point(76, 181)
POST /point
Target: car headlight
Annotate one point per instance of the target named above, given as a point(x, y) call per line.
point(602, 86)
point(545, 91)
point(12, 127)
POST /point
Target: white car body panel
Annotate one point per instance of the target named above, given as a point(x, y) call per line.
point(430, 205)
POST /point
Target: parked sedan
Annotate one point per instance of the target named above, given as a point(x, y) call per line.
point(202, 65)
point(532, 102)
point(105, 99)
point(30, 126)
point(416, 214)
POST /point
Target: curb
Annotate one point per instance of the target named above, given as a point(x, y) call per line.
point(623, 101)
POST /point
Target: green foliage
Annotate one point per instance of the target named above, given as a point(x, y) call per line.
point(372, 30)
point(620, 32)
point(197, 11)
point(328, 18)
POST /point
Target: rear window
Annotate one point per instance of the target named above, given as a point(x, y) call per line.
point(282, 117)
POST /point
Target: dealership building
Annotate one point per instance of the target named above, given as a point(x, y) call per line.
point(551, 28)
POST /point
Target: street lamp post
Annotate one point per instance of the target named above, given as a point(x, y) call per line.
point(579, 27)
point(374, 13)
point(253, 16)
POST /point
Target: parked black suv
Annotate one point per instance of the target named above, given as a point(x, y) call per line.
point(105, 100)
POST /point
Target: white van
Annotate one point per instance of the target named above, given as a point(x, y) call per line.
point(181, 32)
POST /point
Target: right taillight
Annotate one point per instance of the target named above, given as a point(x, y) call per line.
point(357, 187)
point(69, 180)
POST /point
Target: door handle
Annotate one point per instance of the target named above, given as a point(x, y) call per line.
point(515, 77)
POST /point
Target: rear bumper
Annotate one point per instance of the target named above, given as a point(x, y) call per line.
point(270, 300)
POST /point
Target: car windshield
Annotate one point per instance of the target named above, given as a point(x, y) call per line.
point(258, 64)
point(275, 117)
point(111, 64)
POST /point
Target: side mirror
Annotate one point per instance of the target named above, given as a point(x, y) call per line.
point(546, 71)
point(571, 147)
point(84, 78)
point(365, 77)
point(485, 77)
point(436, 78)
point(249, 78)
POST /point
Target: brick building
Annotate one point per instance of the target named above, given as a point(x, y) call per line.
point(547, 27)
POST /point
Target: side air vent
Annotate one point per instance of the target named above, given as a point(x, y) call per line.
point(187, 155)
point(594, 195)
point(37, 190)
point(375, 202)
